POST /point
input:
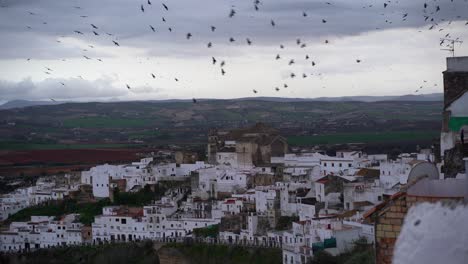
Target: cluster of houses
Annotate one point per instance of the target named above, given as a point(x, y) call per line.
point(46, 189)
point(249, 187)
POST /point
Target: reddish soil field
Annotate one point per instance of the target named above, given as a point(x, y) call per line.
point(69, 156)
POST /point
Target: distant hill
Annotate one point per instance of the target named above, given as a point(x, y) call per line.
point(25, 103)
point(410, 97)
point(417, 98)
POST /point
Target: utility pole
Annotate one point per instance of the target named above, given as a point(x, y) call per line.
point(451, 45)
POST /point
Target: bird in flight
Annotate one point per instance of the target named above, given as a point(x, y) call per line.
point(94, 26)
point(213, 28)
point(232, 13)
point(128, 86)
point(142, 8)
point(165, 7)
point(152, 28)
point(116, 43)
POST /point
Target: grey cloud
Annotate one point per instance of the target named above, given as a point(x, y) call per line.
point(52, 88)
point(131, 27)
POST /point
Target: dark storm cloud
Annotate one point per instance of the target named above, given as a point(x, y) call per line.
point(130, 26)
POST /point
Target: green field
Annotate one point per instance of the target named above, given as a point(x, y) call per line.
point(106, 122)
point(377, 137)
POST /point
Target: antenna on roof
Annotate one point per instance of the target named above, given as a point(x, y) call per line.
point(451, 45)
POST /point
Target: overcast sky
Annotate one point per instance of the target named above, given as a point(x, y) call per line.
point(41, 56)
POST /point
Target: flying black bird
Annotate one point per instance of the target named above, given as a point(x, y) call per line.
point(142, 8)
point(385, 5)
point(31, 13)
point(326, 41)
point(273, 23)
point(249, 42)
point(281, 46)
point(94, 26)
point(213, 28)
point(222, 64)
point(163, 19)
point(116, 43)
point(307, 57)
point(358, 61)
point(62, 83)
point(194, 100)
point(313, 63)
point(78, 32)
point(298, 41)
point(152, 28)
point(222, 71)
point(405, 15)
point(189, 35)
point(176, 79)
point(277, 89)
point(291, 62)
point(304, 14)
point(255, 91)
point(437, 8)
point(165, 7)
point(304, 75)
point(232, 13)
point(95, 33)
point(278, 57)
point(149, 2)
point(28, 59)
point(425, 5)
point(256, 8)
point(170, 29)
point(109, 34)
point(214, 60)
point(52, 100)
point(209, 45)
point(303, 45)
point(231, 39)
point(285, 85)
point(154, 76)
point(128, 86)
point(84, 16)
point(293, 75)
point(324, 21)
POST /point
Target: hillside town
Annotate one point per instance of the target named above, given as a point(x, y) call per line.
point(256, 191)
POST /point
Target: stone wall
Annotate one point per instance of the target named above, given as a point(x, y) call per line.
point(388, 227)
point(390, 220)
point(455, 84)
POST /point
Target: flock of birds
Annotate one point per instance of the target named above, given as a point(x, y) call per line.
point(429, 10)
